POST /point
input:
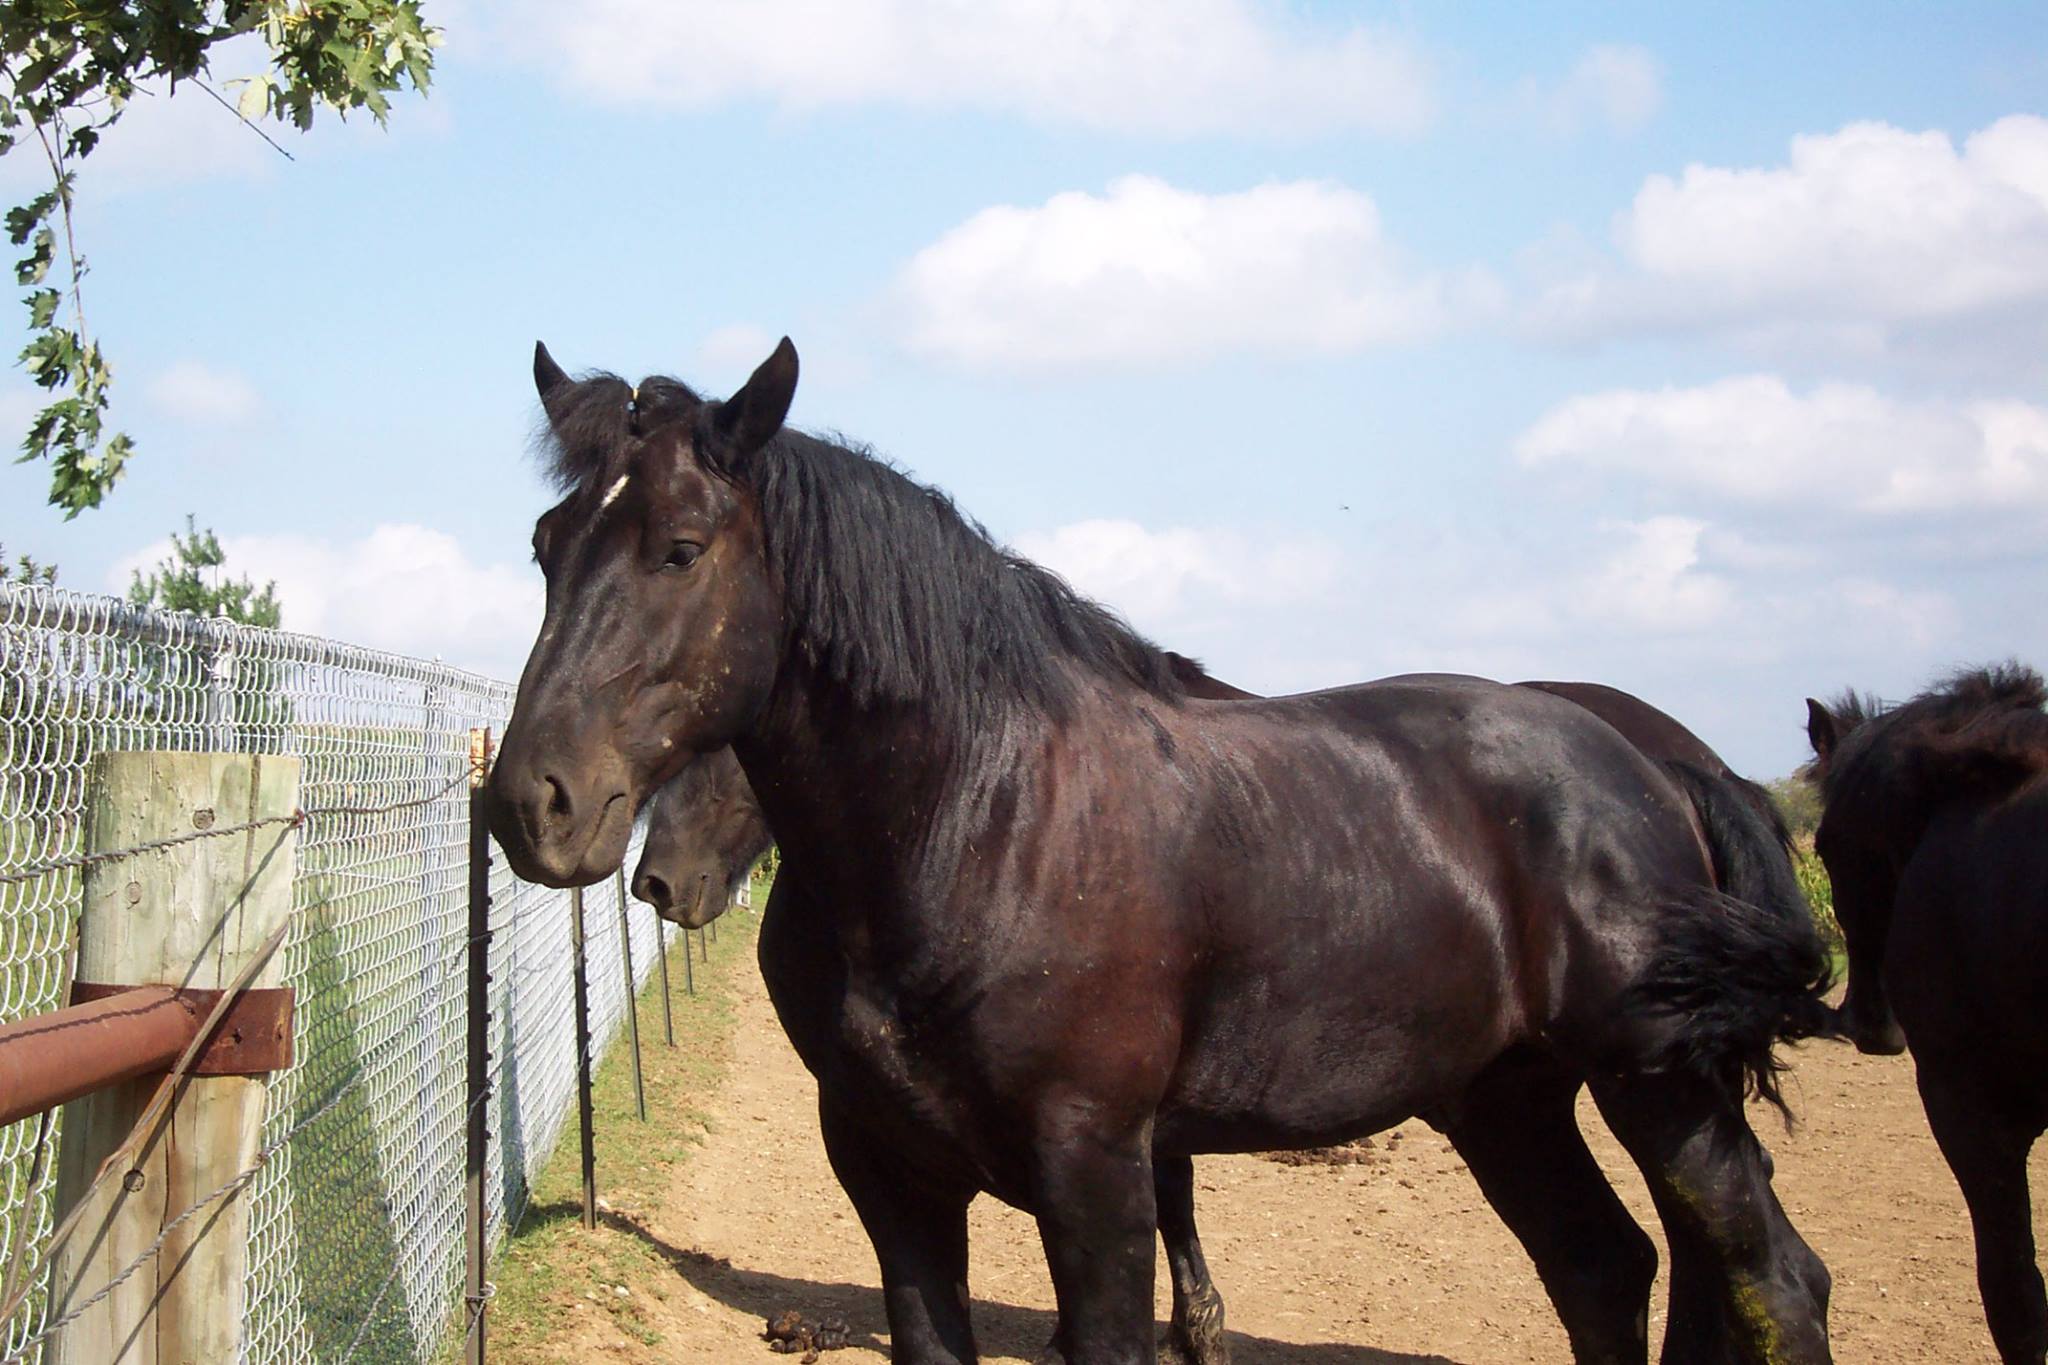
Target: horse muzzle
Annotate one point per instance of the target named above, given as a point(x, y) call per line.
point(558, 830)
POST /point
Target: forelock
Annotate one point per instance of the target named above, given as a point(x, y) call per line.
point(591, 422)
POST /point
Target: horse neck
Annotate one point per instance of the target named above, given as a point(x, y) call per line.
point(902, 823)
point(850, 795)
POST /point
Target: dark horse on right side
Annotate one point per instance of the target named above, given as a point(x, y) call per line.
point(1934, 830)
point(705, 829)
point(1044, 917)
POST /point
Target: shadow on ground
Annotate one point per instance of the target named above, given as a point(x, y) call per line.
point(1002, 1329)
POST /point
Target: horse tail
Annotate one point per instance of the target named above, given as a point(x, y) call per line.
point(1759, 798)
point(1739, 967)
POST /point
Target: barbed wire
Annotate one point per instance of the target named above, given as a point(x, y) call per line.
point(234, 1186)
point(296, 820)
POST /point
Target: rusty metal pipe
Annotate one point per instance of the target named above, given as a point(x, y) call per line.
point(50, 1059)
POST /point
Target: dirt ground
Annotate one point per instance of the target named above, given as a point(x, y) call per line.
point(1393, 1259)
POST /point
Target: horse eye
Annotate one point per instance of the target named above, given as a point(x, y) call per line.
point(682, 554)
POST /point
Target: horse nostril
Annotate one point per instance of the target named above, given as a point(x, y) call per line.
point(558, 807)
point(652, 889)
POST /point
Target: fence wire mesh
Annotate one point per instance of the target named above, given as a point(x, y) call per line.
point(356, 1220)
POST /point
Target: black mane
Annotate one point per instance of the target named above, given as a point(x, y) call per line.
point(891, 590)
point(1982, 728)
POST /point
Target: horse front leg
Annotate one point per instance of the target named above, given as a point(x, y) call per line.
point(1195, 1335)
point(1096, 1213)
point(1988, 1153)
point(919, 1231)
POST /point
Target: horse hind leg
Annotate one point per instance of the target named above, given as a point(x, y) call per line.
point(1988, 1153)
point(1517, 1132)
point(1745, 1288)
point(1195, 1335)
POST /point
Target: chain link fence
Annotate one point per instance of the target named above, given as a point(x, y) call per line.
point(356, 1220)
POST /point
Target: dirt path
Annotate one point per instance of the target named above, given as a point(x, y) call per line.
point(1394, 1260)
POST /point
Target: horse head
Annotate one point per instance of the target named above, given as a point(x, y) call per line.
point(663, 625)
point(704, 830)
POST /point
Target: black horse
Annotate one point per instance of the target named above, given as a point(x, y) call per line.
point(1934, 829)
point(705, 831)
point(1660, 736)
point(1051, 916)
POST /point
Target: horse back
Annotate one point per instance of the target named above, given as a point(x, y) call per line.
point(1641, 724)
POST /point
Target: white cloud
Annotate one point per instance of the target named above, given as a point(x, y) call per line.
point(1149, 274)
point(194, 391)
point(1615, 85)
point(405, 588)
point(1752, 439)
point(1860, 233)
point(1190, 67)
point(1654, 580)
point(1170, 576)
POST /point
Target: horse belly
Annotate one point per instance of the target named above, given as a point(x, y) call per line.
point(1357, 1042)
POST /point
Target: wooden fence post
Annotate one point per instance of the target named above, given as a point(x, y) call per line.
point(194, 915)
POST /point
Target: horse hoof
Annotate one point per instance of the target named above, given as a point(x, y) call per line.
point(1172, 1352)
point(1178, 1348)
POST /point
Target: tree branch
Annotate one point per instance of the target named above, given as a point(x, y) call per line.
point(221, 100)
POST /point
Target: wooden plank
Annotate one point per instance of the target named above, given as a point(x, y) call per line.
point(193, 915)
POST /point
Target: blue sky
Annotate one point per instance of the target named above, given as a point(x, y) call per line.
point(1703, 352)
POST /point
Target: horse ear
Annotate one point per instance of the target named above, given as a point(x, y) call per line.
point(549, 379)
point(751, 417)
point(1821, 729)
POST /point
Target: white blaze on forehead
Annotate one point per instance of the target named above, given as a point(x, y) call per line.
point(611, 494)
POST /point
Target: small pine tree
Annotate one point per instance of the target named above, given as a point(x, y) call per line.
point(26, 570)
point(182, 582)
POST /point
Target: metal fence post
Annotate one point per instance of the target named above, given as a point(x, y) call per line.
point(583, 1115)
point(429, 937)
point(632, 994)
point(475, 1241)
point(220, 684)
point(689, 972)
point(668, 1014)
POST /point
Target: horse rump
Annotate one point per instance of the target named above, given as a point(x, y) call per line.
point(1739, 967)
